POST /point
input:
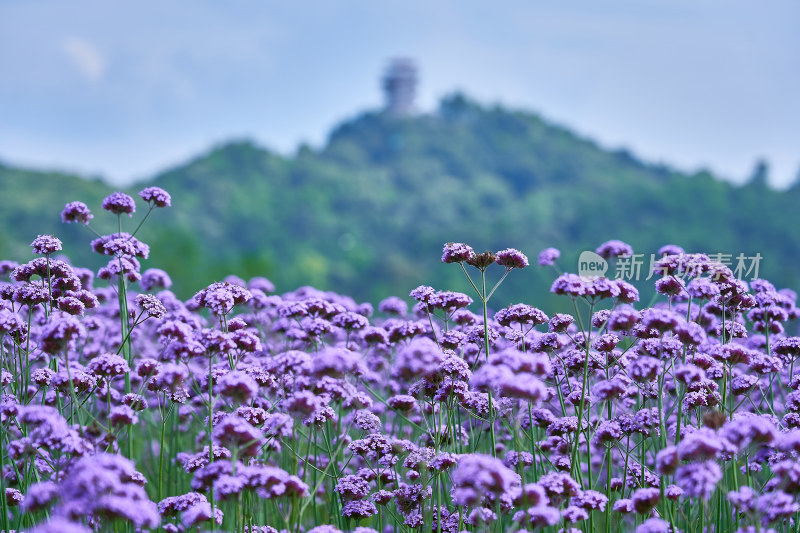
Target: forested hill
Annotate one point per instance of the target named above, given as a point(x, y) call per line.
point(367, 214)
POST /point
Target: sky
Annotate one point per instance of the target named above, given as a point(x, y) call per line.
point(123, 90)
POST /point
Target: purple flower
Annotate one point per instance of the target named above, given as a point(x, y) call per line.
point(335, 362)
point(698, 480)
point(221, 297)
point(108, 365)
point(654, 525)
point(122, 415)
point(671, 249)
point(700, 445)
point(57, 524)
point(234, 432)
point(171, 376)
point(645, 499)
point(70, 305)
point(513, 374)
point(667, 461)
point(40, 496)
point(366, 421)
point(199, 513)
point(352, 488)
point(608, 431)
point(418, 358)
point(76, 212)
point(591, 500)
point(670, 286)
point(627, 292)
point(542, 516)
point(62, 331)
point(156, 196)
point(481, 516)
point(776, 505)
point(449, 301)
point(151, 305)
point(623, 505)
point(520, 314)
point(614, 248)
point(560, 322)
point(359, 509)
point(154, 277)
point(393, 306)
point(548, 256)
point(128, 266)
point(121, 246)
point(350, 321)
point(511, 258)
point(106, 486)
point(744, 500)
point(644, 369)
point(559, 485)
point(574, 514)
point(31, 294)
point(324, 529)
point(173, 505)
point(748, 428)
point(147, 367)
point(660, 319)
point(606, 342)
point(790, 347)
point(423, 293)
point(46, 245)
point(702, 289)
point(478, 477)
point(237, 386)
point(119, 203)
point(673, 492)
point(456, 252)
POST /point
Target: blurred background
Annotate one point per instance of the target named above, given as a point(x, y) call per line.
point(340, 144)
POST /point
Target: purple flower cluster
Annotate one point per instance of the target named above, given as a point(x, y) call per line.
point(119, 203)
point(446, 416)
point(156, 196)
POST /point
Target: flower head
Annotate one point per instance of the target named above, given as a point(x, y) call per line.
point(614, 248)
point(46, 245)
point(511, 258)
point(151, 305)
point(548, 256)
point(156, 196)
point(456, 252)
point(76, 212)
point(119, 203)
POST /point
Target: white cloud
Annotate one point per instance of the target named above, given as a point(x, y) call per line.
point(86, 57)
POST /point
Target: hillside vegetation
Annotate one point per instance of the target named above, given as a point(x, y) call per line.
point(367, 214)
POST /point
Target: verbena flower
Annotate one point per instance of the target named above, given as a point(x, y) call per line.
point(105, 486)
point(480, 477)
point(76, 212)
point(393, 306)
point(46, 245)
point(548, 256)
point(511, 258)
point(151, 305)
point(156, 196)
point(119, 203)
point(456, 252)
point(614, 248)
point(698, 480)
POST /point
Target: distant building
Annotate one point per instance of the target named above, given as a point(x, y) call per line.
point(400, 86)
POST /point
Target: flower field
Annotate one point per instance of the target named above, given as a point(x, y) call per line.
point(126, 409)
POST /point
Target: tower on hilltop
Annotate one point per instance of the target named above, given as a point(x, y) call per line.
point(400, 86)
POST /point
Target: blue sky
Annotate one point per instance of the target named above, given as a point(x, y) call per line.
point(125, 89)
